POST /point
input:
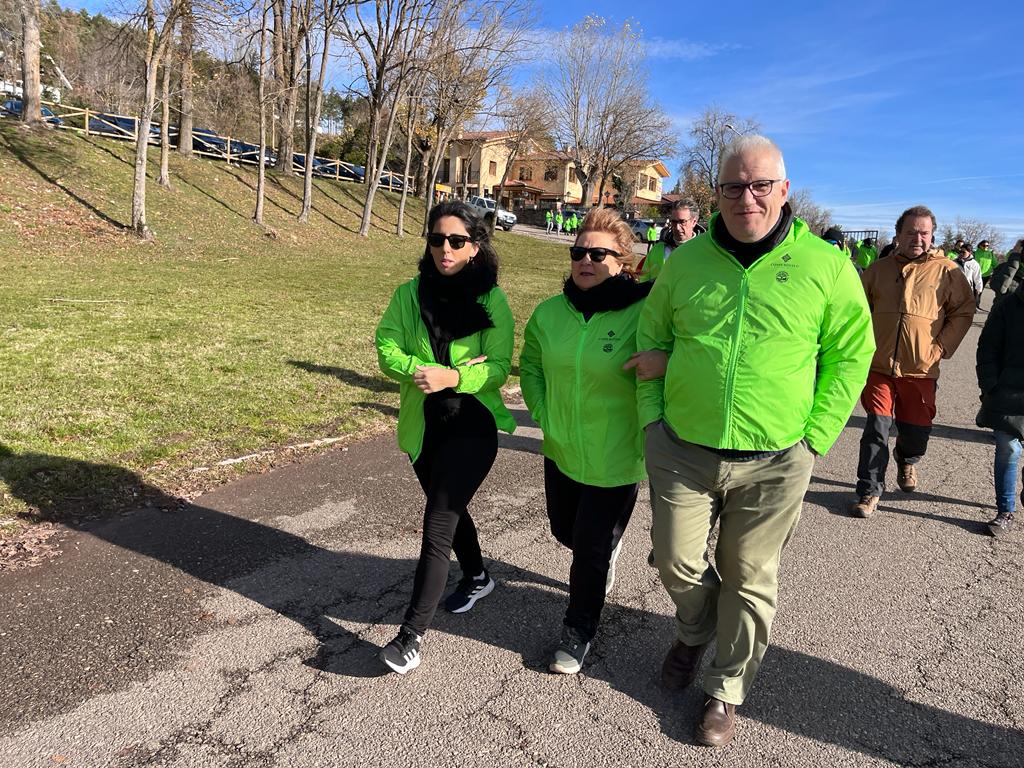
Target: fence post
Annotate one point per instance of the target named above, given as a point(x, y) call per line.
point(86, 121)
point(337, 170)
point(229, 149)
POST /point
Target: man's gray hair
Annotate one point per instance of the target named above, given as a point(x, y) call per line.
point(687, 203)
point(751, 143)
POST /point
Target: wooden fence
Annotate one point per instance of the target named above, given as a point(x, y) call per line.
point(208, 144)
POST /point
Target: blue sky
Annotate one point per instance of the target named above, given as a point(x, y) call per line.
point(876, 105)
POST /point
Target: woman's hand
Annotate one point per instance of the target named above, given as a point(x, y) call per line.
point(649, 364)
point(430, 379)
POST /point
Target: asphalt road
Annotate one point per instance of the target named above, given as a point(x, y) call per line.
point(241, 630)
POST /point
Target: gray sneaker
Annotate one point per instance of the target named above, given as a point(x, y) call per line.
point(1001, 524)
point(568, 658)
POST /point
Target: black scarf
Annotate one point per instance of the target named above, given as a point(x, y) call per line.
point(747, 253)
point(449, 306)
point(616, 292)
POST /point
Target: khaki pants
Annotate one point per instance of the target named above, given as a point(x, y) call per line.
point(757, 504)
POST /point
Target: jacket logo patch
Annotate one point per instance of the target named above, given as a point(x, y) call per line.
point(608, 347)
point(786, 257)
point(782, 277)
point(611, 334)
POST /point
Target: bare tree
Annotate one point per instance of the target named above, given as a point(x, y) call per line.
point(973, 231)
point(164, 180)
point(261, 165)
point(31, 83)
point(414, 115)
point(818, 217)
point(527, 121)
point(290, 23)
point(315, 100)
point(603, 110)
point(385, 46)
point(187, 102)
point(710, 134)
point(473, 48)
point(158, 29)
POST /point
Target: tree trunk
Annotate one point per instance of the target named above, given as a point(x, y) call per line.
point(188, 30)
point(32, 94)
point(318, 101)
point(261, 167)
point(409, 124)
point(374, 182)
point(512, 155)
point(142, 130)
point(164, 179)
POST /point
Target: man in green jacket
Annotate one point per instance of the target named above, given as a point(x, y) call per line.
point(682, 219)
point(769, 340)
point(986, 260)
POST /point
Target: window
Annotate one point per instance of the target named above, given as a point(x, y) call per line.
point(652, 183)
point(551, 172)
point(492, 168)
point(525, 173)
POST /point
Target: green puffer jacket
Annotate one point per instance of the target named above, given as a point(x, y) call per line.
point(403, 344)
point(761, 357)
point(574, 385)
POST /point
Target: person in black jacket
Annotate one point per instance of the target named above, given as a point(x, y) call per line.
point(1001, 379)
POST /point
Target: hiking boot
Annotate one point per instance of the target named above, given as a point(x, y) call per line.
point(402, 654)
point(609, 581)
point(865, 506)
point(568, 658)
point(906, 478)
point(680, 666)
point(1001, 524)
point(467, 592)
point(717, 725)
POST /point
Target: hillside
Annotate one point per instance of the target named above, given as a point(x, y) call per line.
point(128, 366)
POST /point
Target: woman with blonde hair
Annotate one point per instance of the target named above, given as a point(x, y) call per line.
point(578, 388)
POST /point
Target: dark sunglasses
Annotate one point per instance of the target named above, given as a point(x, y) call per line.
point(597, 255)
point(436, 240)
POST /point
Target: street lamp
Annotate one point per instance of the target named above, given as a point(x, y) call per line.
point(731, 128)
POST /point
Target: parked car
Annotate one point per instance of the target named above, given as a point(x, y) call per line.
point(12, 107)
point(640, 227)
point(502, 218)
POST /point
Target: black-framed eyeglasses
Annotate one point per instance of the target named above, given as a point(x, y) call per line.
point(680, 221)
point(577, 252)
point(733, 190)
point(436, 240)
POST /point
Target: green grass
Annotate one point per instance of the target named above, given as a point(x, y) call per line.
point(125, 366)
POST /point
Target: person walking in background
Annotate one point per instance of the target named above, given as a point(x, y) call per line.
point(972, 271)
point(549, 220)
point(559, 221)
point(680, 228)
point(865, 253)
point(574, 384)
point(986, 260)
point(1004, 277)
point(768, 340)
point(921, 309)
point(652, 236)
point(447, 337)
point(1000, 371)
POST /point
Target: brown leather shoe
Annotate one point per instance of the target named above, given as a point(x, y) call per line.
point(680, 666)
point(906, 478)
point(717, 725)
point(865, 506)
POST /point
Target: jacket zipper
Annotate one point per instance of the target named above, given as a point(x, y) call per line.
point(899, 332)
point(577, 405)
point(731, 373)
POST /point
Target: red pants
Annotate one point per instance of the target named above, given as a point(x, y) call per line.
point(911, 401)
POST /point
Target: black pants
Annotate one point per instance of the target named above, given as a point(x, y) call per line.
point(457, 454)
point(590, 521)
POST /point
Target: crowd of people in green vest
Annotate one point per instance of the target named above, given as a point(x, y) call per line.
point(561, 222)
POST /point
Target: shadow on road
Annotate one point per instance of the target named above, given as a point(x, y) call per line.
point(318, 588)
point(838, 502)
point(957, 434)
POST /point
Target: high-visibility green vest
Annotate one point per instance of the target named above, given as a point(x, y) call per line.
point(986, 260)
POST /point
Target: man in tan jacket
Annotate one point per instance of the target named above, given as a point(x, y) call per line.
point(921, 309)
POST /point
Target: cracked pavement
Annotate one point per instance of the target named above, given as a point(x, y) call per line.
point(240, 630)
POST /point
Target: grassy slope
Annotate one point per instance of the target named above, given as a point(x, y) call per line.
point(219, 339)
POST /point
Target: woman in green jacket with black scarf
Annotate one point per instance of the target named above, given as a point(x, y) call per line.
point(578, 349)
point(446, 337)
